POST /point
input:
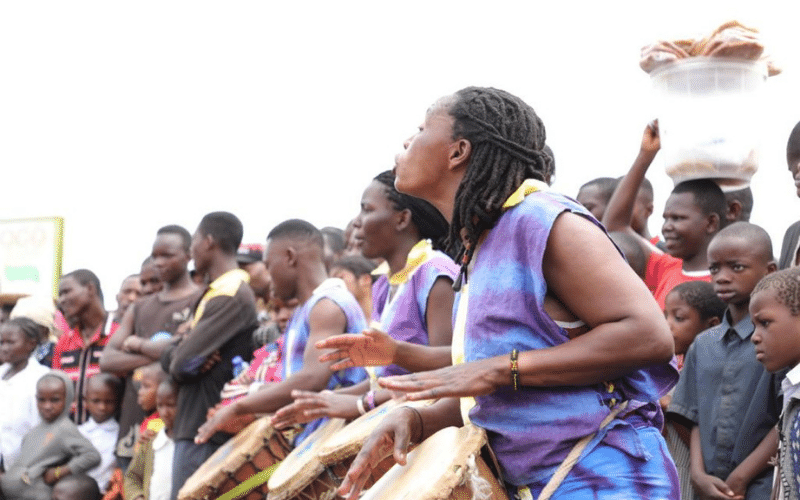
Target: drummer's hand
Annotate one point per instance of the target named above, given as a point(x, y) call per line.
point(215, 423)
point(370, 348)
point(476, 378)
point(651, 141)
point(310, 406)
point(392, 436)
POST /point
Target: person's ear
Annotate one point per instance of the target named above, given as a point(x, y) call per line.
point(460, 151)
point(772, 267)
point(734, 211)
point(403, 220)
point(291, 256)
point(712, 321)
point(713, 223)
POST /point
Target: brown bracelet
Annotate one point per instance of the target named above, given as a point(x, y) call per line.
point(515, 369)
point(421, 428)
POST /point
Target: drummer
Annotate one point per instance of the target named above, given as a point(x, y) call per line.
point(294, 260)
point(478, 158)
point(413, 304)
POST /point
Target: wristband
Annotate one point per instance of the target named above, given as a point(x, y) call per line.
point(360, 406)
point(515, 369)
point(57, 472)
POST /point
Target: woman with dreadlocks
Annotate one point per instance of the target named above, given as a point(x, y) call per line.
point(540, 393)
point(411, 306)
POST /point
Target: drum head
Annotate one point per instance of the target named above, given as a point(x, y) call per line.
point(433, 469)
point(347, 442)
point(229, 457)
point(302, 465)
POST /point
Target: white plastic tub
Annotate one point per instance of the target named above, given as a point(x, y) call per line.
point(710, 119)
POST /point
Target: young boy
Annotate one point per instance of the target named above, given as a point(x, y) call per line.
point(150, 475)
point(51, 450)
point(102, 401)
point(775, 309)
point(294, 260)
point(693, 214)
point(724, 394)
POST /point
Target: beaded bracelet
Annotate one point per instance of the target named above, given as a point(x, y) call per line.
point(370, 400)
point(515, 369)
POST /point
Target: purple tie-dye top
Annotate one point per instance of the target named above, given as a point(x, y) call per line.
point(403, 316)
point(533, 429)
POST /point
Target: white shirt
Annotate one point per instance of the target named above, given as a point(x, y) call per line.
point(18, 413)
point(790, 386)
point(104, 438)
point(161, 481)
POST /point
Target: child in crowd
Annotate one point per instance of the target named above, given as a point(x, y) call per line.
point(103, 393)
point(775, 309)
point(51, 450)
point(18, 376)
point(691, 308)
point(41, 310)
point(76, 487)
point(150, 475)
point(790, 250)
point(151, 377)
point(724, 394)
point(693, 214)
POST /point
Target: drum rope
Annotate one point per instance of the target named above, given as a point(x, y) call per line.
point(574, 454)
point(481, 489)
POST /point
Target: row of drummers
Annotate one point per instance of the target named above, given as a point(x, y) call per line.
point(257, 463)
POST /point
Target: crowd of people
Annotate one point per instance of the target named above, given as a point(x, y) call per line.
point(666, 364)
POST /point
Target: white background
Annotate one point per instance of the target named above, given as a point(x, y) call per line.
point(126, 116)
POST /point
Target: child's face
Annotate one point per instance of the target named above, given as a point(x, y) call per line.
point(684, 322)
point(50, 398)
point(777, 333)
point(146, 396)
point(15, 346)
point(686, 227)
point(166, 404)
point(736, 267)
point(100, 402)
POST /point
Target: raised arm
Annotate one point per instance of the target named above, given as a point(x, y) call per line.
point(619, 211)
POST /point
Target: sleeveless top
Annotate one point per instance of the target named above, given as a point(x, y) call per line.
point(502, 308)
point(403, 314)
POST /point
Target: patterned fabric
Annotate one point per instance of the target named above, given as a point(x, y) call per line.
point(400, 302)
point(298, 332)
point(533, 429)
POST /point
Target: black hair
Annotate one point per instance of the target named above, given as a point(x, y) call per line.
point(294, 228)
point(147, 261)
point(700, 295)
point(51, 376)
point(29, 328)
point(334, 238)
point(356, 264)
point(85, 277)
point(646, 188)
point(224, 228)
point(606, 186)
point(786, 284)
point(793, 145)
point(430, 223)
point(156, 370)
point(84, 487)
point(181, 231)
point(507, 138)
point(169, 382)
point(755, 237)
point(549, 152)
point(111, 381)
point(745, 198)
point(707, 196)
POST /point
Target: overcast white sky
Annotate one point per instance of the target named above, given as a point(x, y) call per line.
point(123, 117)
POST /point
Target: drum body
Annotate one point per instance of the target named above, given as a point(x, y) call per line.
point(448, 465)
point(244, 462)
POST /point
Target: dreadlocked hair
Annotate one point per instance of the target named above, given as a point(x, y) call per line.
point(430, 223)
point(786, 284)
point(507, 139)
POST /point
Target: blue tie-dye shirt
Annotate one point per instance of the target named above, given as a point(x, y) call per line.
point(533, 429)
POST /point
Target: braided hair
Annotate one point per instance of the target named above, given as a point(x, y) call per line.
point(430, 223)
point(507, 139)
point(786, 284)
